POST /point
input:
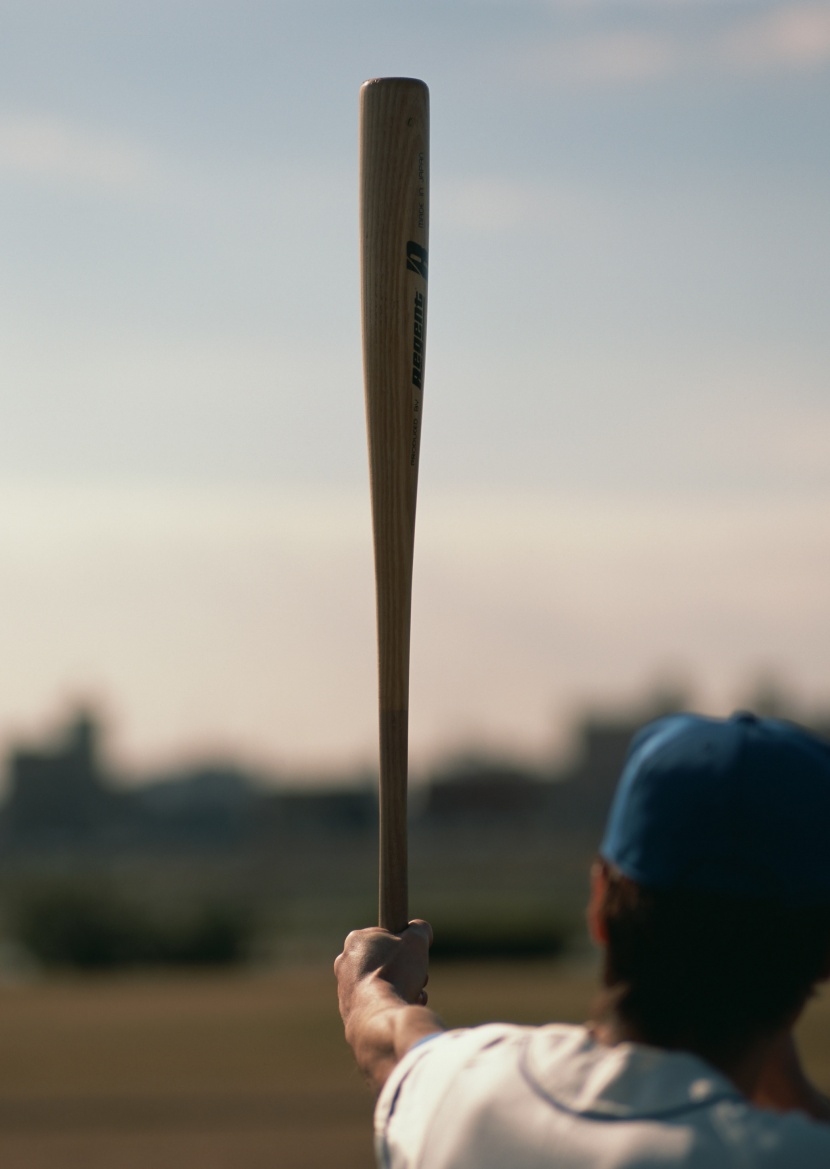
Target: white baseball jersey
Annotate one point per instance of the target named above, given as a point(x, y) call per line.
point(507, 1097)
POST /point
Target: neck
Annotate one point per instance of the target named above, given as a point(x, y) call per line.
point(744, 1067)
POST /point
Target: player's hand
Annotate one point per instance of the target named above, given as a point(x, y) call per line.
point(401, 960)
point(380, 987)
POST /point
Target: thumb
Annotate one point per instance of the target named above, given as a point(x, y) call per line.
point(420, 928)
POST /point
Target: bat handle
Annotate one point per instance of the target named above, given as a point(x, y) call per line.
point(393, 881)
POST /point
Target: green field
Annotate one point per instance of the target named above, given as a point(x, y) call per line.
point(230, 1071)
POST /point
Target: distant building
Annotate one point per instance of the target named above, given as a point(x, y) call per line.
point(583, 793)
point(339, 812)
point(61, 800)
point(57, 795)
point(475, 791)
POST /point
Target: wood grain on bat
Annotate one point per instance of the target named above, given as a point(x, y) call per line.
point(394, 191)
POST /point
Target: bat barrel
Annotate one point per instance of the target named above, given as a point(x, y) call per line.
point(394, 211)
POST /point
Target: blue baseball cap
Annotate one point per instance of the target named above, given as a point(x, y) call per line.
point(735, 806)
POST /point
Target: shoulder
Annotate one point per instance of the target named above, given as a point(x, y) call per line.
point(440, 1057)
point(506, 1095)
point(771, 1140)
point(445, 1081)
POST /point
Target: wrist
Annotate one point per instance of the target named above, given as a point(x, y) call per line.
point(381, 1027)
point(371, 996)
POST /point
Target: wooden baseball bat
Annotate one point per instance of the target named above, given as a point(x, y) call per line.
point(394, 222)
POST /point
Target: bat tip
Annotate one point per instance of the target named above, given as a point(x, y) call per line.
point(393, 81)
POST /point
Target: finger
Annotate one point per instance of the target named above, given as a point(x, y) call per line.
point(421, 927)
point(358, 940)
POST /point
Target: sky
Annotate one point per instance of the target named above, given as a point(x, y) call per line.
point(625, 460)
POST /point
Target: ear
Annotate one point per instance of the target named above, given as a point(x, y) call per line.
point(596, 905)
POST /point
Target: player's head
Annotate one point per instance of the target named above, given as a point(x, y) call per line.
point(713, 898)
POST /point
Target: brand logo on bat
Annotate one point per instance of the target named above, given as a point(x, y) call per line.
point(418, 342)
point(416, 259)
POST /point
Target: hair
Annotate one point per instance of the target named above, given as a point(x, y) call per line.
point(706, 972)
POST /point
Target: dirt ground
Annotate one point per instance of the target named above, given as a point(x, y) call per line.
point(231, 1071)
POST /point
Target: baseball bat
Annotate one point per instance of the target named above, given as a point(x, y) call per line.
point(394, 223)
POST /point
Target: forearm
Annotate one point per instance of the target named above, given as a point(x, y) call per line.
point(381, 1027)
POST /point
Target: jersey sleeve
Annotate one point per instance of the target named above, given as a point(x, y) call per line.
point(414, 1094)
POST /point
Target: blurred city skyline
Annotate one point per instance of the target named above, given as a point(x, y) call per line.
point(625, 469)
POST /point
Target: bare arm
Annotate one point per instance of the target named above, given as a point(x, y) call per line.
point(380, 984)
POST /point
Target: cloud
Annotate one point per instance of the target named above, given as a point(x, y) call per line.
point(491, 204)
point(603, 58)
point(795, 36)
point(51, 148)
point(790, 37)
